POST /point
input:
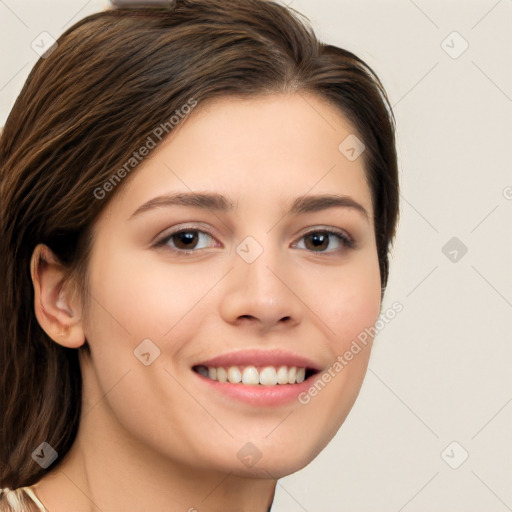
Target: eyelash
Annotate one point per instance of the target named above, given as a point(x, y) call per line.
point(346, 241)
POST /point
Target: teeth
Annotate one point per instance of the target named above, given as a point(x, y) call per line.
point(282, 375)
point(250, 376)
point(268, 376)
point(203, 371)
point(234, 375)
point(222, 375)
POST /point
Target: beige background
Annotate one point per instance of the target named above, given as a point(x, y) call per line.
point(441, 370)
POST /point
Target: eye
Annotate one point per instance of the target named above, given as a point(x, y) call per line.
point(184, 241)
point(188, 240)
point(319, 239)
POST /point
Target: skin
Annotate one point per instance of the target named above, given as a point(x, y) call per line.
point(148, 437)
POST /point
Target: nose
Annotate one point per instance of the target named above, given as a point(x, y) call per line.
point(262, 294)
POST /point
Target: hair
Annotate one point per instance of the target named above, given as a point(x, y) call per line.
point(85, 108)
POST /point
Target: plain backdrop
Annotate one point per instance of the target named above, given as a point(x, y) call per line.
point(432, 428)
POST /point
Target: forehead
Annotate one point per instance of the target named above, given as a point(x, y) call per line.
point(255, 151)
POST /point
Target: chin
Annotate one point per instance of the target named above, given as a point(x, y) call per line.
point(269, 458)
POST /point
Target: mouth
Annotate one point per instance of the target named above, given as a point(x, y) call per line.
point(254, 375)
point(259, 378)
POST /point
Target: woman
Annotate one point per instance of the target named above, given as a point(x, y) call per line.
point(197, 205)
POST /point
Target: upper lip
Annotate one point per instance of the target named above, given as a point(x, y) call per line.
point(258, 357)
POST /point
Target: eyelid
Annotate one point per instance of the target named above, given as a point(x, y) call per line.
point(171, 230)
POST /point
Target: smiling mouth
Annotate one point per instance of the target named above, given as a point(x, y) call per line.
point(251, 375)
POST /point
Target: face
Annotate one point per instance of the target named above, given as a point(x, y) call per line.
point(256, 284)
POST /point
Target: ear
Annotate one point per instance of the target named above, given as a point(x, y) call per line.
point(57, 310)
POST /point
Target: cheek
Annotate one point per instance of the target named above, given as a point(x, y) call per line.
point(145, 298)
point(350, 301)
point(350, 306)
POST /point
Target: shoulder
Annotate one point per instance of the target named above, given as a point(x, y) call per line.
point(20, 500)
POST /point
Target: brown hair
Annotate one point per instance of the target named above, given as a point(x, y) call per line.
point(85, 108)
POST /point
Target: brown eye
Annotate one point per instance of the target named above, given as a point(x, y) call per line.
point(320, 240)
point(317, 241)
point(186, 241)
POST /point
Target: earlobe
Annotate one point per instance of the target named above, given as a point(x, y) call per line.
point(56, 309)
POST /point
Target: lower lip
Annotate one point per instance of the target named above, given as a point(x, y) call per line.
point(259, 395)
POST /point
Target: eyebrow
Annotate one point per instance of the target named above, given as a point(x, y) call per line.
point(218, 202)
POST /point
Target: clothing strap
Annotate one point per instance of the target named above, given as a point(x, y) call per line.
point(21, 499)
point(35, 499)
